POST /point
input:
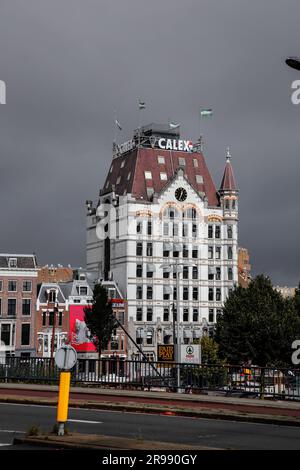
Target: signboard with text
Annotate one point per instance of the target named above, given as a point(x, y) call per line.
point(190, 353)
point(165, 353)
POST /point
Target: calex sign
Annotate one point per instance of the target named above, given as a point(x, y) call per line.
point(171, 144)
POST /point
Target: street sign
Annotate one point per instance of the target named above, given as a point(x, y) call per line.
point(65, 357)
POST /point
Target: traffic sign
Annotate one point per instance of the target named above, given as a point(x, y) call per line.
point(65, 357)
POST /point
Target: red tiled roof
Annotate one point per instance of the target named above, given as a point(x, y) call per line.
point(145, 159)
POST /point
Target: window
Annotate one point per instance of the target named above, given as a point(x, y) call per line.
point(195, 293)
point(1, 286)
point(230, 252)
point(150, 192)
point(218, 274)
point(139, 314)
point(185, 293)
point(149, 249)
point(185, 314)
point(149, 228)
point(163, 176)
point(166, 229)
point(139, 270)
point(195, 314)
point(25, 334)
point(149, 272)
point(149, 337)
point(27, 286)
point(219, 313)
point(149, 314)
point(122, 163)
point(166, 314)
point(0, 306)
point(227, 204)
point(210, 231)
point(218, 295)
point(139, 249)
point(211, 315)
point(148, 175)
point(218, 231)
point(83, 290)
point(233, 204)
point(51, 318)
point(195, 252)
point(185, 251)
point(44, 318)
point(174, 293)
point(129, 176)
point(195, 162)
point(229, 231)
point(12, 263)
point(166, 274)
point(139, 227)
point(26, 307)
point(194, 231)
point(60, 317)
point(11, 307)
point(181, 161)
point(118, 180)
point(139, 336)
point(218, 252)
point(149, 292)
point(139, 292)
point(12, 286)
point(210, 294)
point(210, 252)
point(199, 179)
point(5, 333)
point(185, 273)
point(160, 160)
point(195, 272)
point(230, 274)
point(175, 230)
point(52, 296)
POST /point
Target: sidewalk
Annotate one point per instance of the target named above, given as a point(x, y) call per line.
point(200, 406)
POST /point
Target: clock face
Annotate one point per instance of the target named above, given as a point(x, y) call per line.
point(181, 194)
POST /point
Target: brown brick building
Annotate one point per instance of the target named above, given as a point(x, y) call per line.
point(18, 287)
point(244, 267)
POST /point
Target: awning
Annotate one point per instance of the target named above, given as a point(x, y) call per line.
point(167, 246)
point(197, 333)
point(140, 333)
point(149, 334)
point(167, 290)
point(187, 333)
point(167, 269)
point(151, 268)
point(211, 270)
point(177, 247)
point(168, 332)
point(177, 268)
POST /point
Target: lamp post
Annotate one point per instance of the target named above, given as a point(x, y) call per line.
point(176, 265)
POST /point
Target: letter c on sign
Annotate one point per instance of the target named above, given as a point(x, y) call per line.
point(160, 143)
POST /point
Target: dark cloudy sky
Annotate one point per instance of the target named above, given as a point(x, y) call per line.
point(69, 63)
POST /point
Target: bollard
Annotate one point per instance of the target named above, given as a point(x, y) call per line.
point(63, 401)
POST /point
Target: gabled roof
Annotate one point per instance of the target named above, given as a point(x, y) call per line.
point(127, 173)
point(23, 261)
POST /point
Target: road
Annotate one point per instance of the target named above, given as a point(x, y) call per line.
point(16, 420)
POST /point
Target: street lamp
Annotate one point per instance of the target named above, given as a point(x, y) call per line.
point(293, 62)
point(177, 265)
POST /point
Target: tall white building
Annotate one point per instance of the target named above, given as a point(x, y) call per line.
point(160, 225)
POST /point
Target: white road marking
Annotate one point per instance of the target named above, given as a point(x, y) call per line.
point(9, 430)
point(84, 421)
point(2, 445)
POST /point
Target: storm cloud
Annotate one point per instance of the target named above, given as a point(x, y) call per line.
point(68, 64)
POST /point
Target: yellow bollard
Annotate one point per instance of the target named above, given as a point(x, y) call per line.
point(63, 400)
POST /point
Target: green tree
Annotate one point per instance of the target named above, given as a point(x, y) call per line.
point(209, 351)
point(297, 299)
point(258, 325)
point(100, 319)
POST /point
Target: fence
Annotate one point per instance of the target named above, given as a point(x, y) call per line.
point(224, 379)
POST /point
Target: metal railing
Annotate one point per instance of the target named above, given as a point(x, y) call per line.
point(280, 383)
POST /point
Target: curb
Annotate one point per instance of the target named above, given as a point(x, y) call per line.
point(165, 410)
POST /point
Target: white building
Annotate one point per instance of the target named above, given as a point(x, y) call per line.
point(159, 216)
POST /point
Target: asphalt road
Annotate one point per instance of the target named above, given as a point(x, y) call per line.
point(16, 420)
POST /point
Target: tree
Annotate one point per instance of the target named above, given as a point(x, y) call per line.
point(99, 318)
point(258, 326)
point(209, 350)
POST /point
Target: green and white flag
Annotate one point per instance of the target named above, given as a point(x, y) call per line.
point(206, 112)
point(173, 125)
point(142, 104)
point(118, 125)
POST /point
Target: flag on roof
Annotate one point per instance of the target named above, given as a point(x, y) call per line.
point(205, 112)
point(142, 104)
point(173, 125)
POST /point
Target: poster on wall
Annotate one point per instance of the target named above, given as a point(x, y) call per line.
point(80, 336)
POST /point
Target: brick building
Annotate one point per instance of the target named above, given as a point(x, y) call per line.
point(18, 287)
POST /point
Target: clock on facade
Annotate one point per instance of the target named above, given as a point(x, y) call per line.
point(181, 194)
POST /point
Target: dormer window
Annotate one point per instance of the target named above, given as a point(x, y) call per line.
point(12, 263)
point(51, 296)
